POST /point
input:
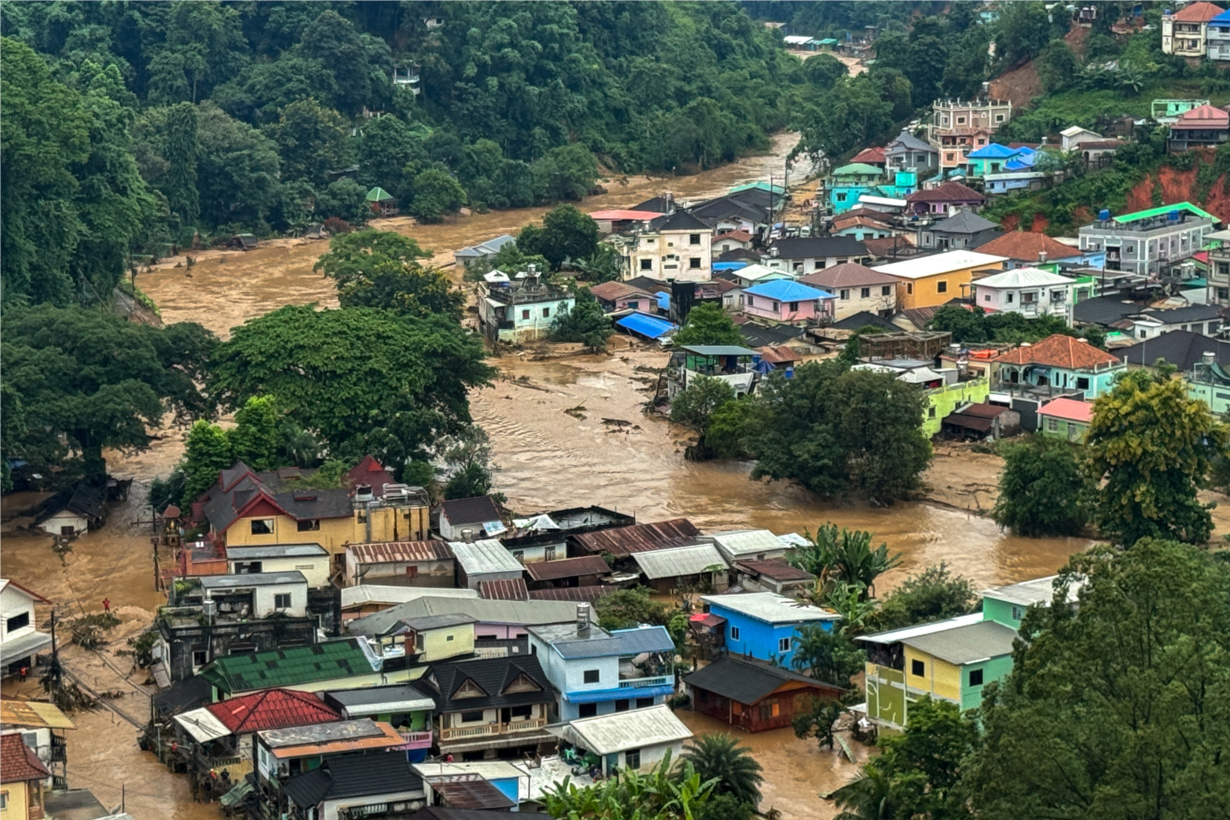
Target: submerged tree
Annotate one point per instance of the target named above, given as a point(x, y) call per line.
point(1042, 489)
point(383, 269)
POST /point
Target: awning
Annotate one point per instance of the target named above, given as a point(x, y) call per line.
point(236, 794)
point(17, 648)
point(650, 327)
point(967, 422)
point(604, 695)
point(202, 725)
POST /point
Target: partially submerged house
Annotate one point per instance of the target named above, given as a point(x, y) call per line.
point(635, 740)
point(20, 638)
point(521, 309)
point(381, 202)
point(753, 695)
point(483, 252)
point(765, 625)
point(73, 513)
point(732, 364)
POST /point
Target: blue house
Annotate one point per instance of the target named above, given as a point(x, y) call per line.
point(847, 183)
point(765, 624)
point(905, 182)
point(597, 672)
point(992, 159)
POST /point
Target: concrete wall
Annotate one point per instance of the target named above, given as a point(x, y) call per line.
point(759, 639)
point(13, 602)
point(939, 679)
point(943, 401)
point(875, 299)
point(315, 568)
point(394, 573)
point(448, 642)
point(264, 600)
point(992, 670)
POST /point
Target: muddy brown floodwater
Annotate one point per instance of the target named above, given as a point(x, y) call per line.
point(550, 458)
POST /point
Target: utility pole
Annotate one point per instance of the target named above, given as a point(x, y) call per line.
point(157, 575)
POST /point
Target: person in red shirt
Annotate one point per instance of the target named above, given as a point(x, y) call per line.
point(106, 604)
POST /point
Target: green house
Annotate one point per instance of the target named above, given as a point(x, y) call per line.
point(949, 660)
point(1065, 418)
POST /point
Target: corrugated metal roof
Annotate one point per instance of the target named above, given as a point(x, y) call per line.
point(202, 725)
point(568, 568)
point(966, 644)
point(898, 635)
point(1037, 591)
point(624, 541)
point(490, 612)
point(253, 579)
point(620, 731)
point(275, 551)
point(747, 542)
point(382, 699)
point(399, 551)
point(504, 589)
point(770, 607)
point(578, 594)
point(618, 643)
point(473, 794)
point(486, 555)
point(673, 563)
point(651, 327)
point(718, 350)
point(329, 738)
point(774, 568)
point(34, 714)
point(393, 595)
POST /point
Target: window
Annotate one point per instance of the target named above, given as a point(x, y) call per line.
point(886, 290)
point(412, 571)
point(646, 264)
point(986, 297)
point(1082, 383)
point(199, 658)
point(525, 314)
point(1052, 425)
point(548, 554)
point(783, 644)
point(1009, 297)
point(694, 263)
point(622, 705)
point(794, 306)
point(262, 526)
point(1074, 429)
point(472, 717)
point(941, 286)
point(281, 600)
point(839, 197)
point(694, 239)
point(519, 555)
point(592, 675)
point(844, 294)
point(522, 712)
point(918, 668)
point(776, 305)
point(975, 677)
point(447, 638)
point(18, 622)
point(310, 525)
point(4, 800)
point(734, 633)
point(999, 117)
point(909, 288)
point(644, 703)
point(1017, 613)
point(930, 412)
point(865, 293)
point(632, 758)
point(587, 710)
point(546, 313)
point(960, 120)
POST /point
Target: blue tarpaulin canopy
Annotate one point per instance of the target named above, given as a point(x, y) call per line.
point(729, 265)
point(651, 327)
point(618, 694)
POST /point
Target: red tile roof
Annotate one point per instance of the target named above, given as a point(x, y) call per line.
point(1059, 351)
point(272, 709)
point(870, 156)
point(370, 472)
point(1026, 246)
point(1198, 13)
point(737, 236)
point(1069, 409)
point(1206, 116)
point(18, 762)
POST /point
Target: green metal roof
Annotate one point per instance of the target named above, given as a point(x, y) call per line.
point(1165, 209)
point(378, 194)
point(288, 667)
point(759, 186)
point(857, 169)
point(718, 350)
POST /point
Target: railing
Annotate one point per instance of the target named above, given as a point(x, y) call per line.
point(639, 683)
point(355, 812)
point(416, 739)
point(489, 729)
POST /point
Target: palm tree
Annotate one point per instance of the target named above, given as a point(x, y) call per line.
point(841, 556)
point(868, 797)
point(721, 757)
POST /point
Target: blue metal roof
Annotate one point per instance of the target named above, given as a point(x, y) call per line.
point(651, 327)
point(618, 644)
point(997, 151)
point(728, 265)
point(603, 695)
point(786, 290)
point(664, 301)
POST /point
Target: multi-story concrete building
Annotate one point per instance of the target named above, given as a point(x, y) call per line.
point(1028, 291)
point(1184, 32)
point(960, 126)
point(1217, 37)
point(520, 309)
point(676, 248)
point(1145, 241)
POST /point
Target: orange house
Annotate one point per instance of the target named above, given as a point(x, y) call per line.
point(931, 281)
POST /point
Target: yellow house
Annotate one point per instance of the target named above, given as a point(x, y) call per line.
point(21, 780)
point(932, 281)
point(250, 509)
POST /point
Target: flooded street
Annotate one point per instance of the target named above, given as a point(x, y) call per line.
point(551, 459)
point(226, 288)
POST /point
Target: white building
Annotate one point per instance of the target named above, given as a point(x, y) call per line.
point(310, 559)
point(485, 560)
point(1029, 291)
point(266, 593)
point(19, 639)
point(679, 248)
point(637, 739)
point(743, 545)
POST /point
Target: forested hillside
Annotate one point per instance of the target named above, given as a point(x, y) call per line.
point(130, 127)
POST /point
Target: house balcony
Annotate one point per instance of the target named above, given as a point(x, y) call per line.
point(492, 729)
point(416, 740)
point(642, 683)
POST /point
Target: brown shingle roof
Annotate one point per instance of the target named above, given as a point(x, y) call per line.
point(1026, 246)
point(948, 192)
point(849, 275)
point(568, 568)
point(612, 291)
point(1059, 351)
point(624, 541)
point(18, 761)
point(1198, 13)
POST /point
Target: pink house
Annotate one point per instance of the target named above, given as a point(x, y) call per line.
point(619, 296)
point(785, 300)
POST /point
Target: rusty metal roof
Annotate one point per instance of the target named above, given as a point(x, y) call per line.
point(624, 541)
point(568, 568)
point(331, 738)
point(387, 552)
point(578, 594)
point(34, 714)
point(472, 794)
point(504, 589)
point(774, 568)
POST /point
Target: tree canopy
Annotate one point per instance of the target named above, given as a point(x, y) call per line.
point(362, 379)
point(382, 269)
point(1042, 489)
point(708, 324)
point(83, 380)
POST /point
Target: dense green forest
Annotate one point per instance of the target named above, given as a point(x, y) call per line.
point(133, 127)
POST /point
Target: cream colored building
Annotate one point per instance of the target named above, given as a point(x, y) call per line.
point(679, 249)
